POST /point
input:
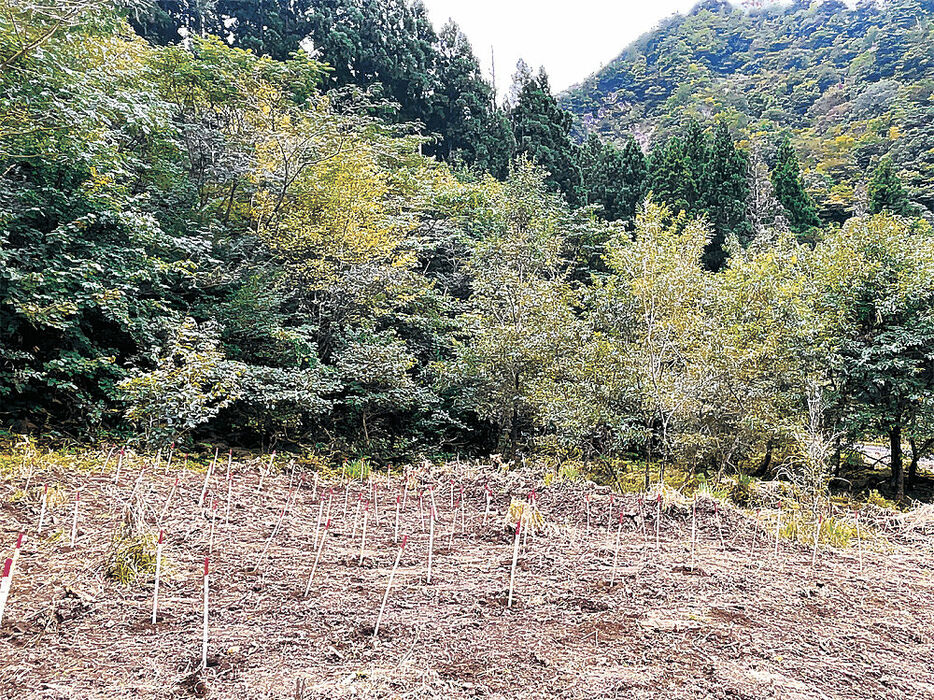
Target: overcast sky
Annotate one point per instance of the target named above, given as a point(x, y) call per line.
point(571, 39)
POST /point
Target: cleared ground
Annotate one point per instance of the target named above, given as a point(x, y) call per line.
point(745, 622)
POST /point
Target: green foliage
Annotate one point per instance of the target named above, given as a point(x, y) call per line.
point(789, 190)
point(613, 178)
point(886, 192)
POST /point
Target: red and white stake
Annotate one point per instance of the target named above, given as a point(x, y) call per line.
point(5, 583)
point(16, 551)
point(204, 644)
point(207, 478)
point(155, 593)
point(42, 509)
point(314, 567)
point(515, 559)
point(431, 540)
point(392, 575)
point(74, 519)
point(820, 521)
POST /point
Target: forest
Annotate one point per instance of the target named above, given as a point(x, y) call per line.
point(323, 233)
point(329, 372)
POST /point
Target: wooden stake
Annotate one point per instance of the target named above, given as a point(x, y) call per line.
point(155, 594)
point(515, 559)
point(204, 644)
point(106, 461)
point(318, 520)
point(486, 513)
point(356, 518)
point(587, 501)
point(262, 475)
point(314, 567)
point(453, 527)
point(74, 519)
point(45, 499)
point(463, 512)
point(392, 575)
point(609, 518)
point(658, 518)
point(229, 498)
point(421, 510)
point(645, 536)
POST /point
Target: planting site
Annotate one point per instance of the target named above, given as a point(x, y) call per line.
point(631, 596)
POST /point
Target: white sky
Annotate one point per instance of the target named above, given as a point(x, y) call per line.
point(570, 39)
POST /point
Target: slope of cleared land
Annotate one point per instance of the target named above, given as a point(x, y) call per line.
point(745, 622)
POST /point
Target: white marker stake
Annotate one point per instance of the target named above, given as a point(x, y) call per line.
point(486, 513)
point(356, 518)
point(859, 542)
point(778, 528)
point(318, 520)
point(207, 477)
point(515, 559)
point(262, 475)
point(45, 499)
point(229, 460)
point(431, 494)
point(5, 584)
point(327, 513)
point(392, 575)
point(453, 527)
point(74, 519)
point(275, 529)
point(587, 501)
point(346, 496)
point(155, 593)
point(375, 505)
point(609, 519)
point(229, 497)
point(366, 511)
point(421, 510)
point(463, 513)
point(204, 644)
point(168, 500)
point(619, 532)
point(431, 540)
point(820, 521)
point(395, 537)
point(119, 465)
point(106, 461)
point(213, 520)
point(452, 494)
point(658, 518)
point(327, 526)
point(755, 533)
point(693, 531)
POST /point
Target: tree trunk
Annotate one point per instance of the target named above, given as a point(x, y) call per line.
point(913, 465)
point(898, 472)
point(763, 469)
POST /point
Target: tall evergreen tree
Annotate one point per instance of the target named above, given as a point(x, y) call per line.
point(886, 192)
point(542, 131)
point(472, 130)
point(613, 178)
point(725, 195)
point(670, 176)
point(789, 189)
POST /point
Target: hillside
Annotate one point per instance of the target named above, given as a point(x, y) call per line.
point(852, 85)
point(746, 618)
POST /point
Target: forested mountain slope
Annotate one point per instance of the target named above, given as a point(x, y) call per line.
point(853, 84)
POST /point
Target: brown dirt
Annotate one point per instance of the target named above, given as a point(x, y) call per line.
point(742, 624)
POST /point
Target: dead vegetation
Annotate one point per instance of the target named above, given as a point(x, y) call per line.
point(748, 620)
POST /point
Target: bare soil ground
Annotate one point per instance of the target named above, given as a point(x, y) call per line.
point(745, 622)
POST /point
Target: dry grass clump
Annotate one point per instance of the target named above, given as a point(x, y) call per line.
point(132, 553)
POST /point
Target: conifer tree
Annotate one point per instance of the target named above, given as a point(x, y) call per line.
point(542, 131)
point(789, 189)
point(613, 178)
point(886, 192)
point(725, 195)
point(670, 176)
